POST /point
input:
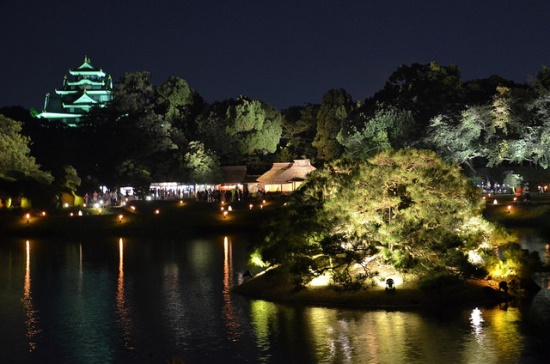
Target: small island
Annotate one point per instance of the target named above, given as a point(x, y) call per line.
point(402, 231)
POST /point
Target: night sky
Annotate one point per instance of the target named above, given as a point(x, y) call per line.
point(284, 52)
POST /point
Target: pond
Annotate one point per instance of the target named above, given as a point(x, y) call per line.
point(118, 300)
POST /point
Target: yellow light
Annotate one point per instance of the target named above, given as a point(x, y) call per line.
point(320, 281)
point(133, 208)
point(66, 205)
point(495, 202)
point(515, 199)
point(250, 206)
point(181, 202)
point(120, 218)
point(157, 212)
point(71, 214)
point(263, 201)
point(222, 208)
point(224, 214)
point(43, 213)
point(509, 208)
point(256, 259)
point(261, 206)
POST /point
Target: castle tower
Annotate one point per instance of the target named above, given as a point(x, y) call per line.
point(85, 87)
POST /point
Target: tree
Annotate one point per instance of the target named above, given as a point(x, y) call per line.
point(179, 105)
point(210, 130)
point(255, 125)
point(406, 209)
point(427, 90)
point(240, 130)
point(389, 128)
point(16, 163)
point(336, 106)
point(132, 133)
point(541, 83)
point(298, 130)
point(201, 165)
point(134, 93)
point(68, 178)
point(461, 141)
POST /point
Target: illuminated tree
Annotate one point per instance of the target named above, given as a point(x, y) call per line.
point(201, 165)
point(461, 141)
point(387, 129)
point(16, 163)
point(238, 130)
point(406, 209)
point(179, 104)
point(68, 178)
point(255, 125)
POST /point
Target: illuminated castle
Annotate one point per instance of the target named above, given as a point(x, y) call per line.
point(84, 88)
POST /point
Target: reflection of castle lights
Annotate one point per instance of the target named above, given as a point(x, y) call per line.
point(476, 321)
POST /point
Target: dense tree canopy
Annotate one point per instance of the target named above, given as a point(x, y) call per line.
point(388, 128)
point(146, 130)
point(406, 209)
point(335, 108)
point(16, 163)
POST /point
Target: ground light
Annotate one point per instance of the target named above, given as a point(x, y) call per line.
point(320, 281)
point(120, 217)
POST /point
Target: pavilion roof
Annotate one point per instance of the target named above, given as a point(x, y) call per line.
point(288, 171)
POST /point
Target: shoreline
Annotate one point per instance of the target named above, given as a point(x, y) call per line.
point(175, 218)
point(272, 287)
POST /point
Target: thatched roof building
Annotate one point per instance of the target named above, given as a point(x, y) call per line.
point(286, 177)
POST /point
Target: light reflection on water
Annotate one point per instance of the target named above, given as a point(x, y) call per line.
point(131, 301)
point(351, 336)
point(32, 322)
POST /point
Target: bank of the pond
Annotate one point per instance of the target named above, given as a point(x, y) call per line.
point(275, 287)
point(157, 218)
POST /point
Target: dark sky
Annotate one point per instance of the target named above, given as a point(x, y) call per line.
point(286, 52)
